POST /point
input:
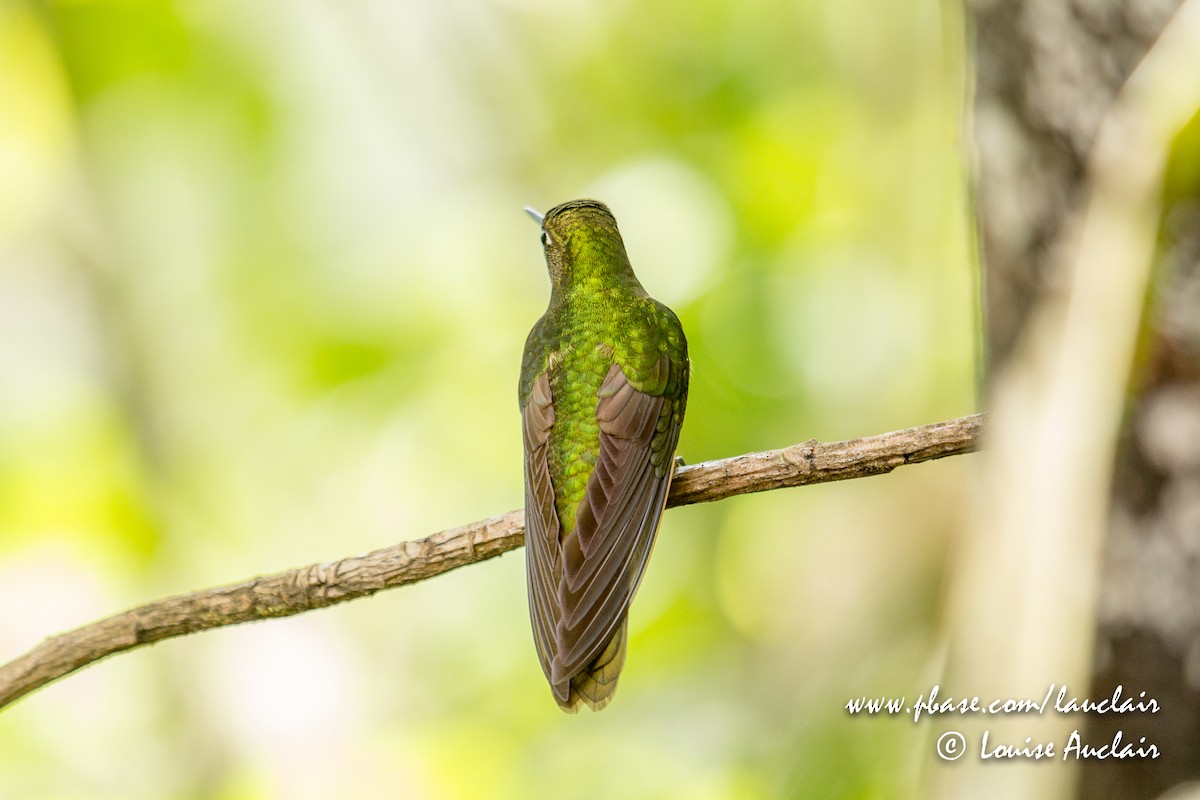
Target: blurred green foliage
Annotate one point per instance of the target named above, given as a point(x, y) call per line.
point(264, 284)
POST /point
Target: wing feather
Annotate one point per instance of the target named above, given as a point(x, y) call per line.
point(602, 562)
point(543, 563)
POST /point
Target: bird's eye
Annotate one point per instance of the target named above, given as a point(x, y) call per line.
point(546, 240)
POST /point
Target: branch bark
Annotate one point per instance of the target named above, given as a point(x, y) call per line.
point(315, 586)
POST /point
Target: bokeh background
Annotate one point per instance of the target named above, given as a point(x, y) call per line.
point(264, 284)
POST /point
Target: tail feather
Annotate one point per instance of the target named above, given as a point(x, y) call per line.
point(596, 683)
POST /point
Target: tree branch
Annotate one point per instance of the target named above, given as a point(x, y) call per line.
point(318, 585)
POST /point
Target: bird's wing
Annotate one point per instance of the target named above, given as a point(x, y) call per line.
point(543, 560)
point(601, 562)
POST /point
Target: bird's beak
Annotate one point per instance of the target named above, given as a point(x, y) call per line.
point(535, 215)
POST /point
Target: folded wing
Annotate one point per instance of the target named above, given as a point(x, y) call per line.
point(581, 584)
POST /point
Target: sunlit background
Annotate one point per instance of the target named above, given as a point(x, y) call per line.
point(264, 285)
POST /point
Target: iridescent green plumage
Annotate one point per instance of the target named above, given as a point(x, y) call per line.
point(603, 389)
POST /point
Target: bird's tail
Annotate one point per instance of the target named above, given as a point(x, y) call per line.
point(597, 682)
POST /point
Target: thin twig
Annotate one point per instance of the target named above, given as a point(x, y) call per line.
point(318, 585)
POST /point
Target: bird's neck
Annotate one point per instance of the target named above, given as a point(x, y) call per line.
point(601, 285)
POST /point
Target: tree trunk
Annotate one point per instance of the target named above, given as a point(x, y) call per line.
point(1047, 72)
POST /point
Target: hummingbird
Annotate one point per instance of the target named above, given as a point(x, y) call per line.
point(604, 380)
